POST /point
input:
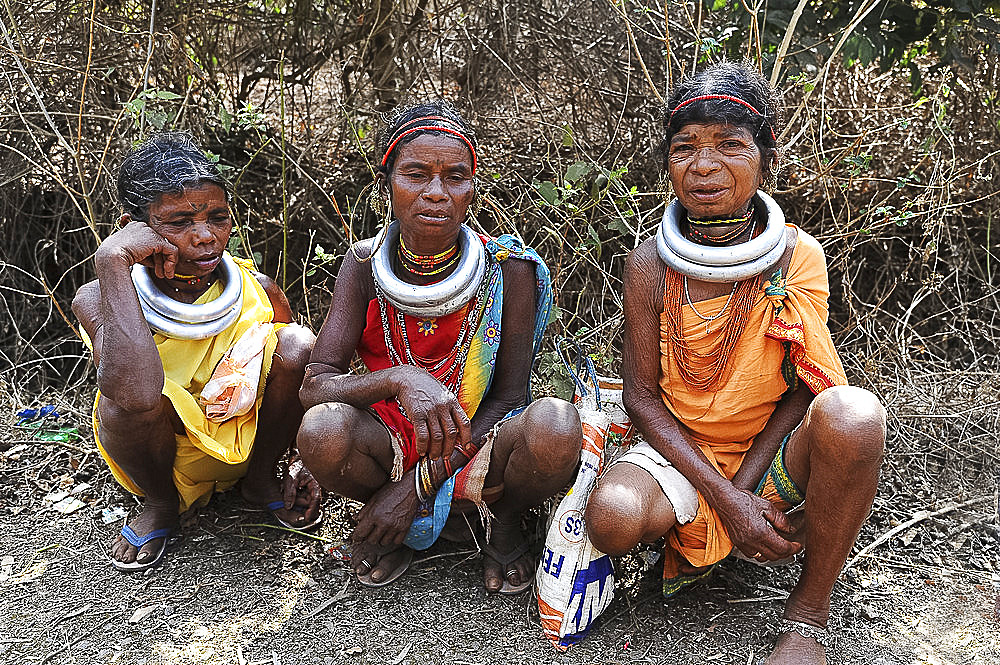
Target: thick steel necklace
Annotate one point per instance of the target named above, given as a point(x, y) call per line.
point(437, 299)
point(179, 320)
point(730, 263)
point(447, 369)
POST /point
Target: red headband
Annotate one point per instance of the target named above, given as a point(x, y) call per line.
point(727, 98)
point(431, 128)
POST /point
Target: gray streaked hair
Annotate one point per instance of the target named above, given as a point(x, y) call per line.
point(165, 163)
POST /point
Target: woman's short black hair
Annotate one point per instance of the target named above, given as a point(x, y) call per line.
point(165, 163)
point(730, 79)
point(405, 114)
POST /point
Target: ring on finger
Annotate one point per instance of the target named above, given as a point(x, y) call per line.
point(511, 572)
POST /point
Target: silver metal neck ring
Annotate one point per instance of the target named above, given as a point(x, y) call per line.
point(187, 320)
point(440, 298)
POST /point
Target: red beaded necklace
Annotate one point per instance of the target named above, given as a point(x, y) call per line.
point(426, 265)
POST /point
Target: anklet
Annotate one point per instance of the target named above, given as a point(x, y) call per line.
point(821, 635)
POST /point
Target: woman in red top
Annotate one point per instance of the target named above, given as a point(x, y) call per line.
point(447, 323)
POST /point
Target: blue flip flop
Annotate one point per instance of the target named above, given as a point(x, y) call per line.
point(138, 541)
point(279, 505)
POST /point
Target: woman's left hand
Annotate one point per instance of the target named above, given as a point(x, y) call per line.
point(386, 518)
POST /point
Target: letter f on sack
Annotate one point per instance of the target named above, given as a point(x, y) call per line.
point(547, 566)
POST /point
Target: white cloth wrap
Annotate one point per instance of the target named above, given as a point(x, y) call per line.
point(681, 493)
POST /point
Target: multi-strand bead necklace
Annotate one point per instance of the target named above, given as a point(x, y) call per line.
point(427, 265)
point(448, 369)
point(740, 225)
point(699, 370)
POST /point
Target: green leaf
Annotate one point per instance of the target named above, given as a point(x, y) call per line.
point(157, 119)
point(63, 434)
point(617, 225)
point(567, 137)
point(866, 51)
point(226, 118)
point(165, 94)
point(548, 191)
point(576, 171)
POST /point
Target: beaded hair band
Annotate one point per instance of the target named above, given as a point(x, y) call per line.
point(401, 132)
point(727, 98)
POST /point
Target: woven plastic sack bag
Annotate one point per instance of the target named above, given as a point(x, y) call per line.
point(575, 582)
point(609, 390)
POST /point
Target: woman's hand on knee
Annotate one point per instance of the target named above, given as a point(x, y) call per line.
point(439, 421)
point(757, 528)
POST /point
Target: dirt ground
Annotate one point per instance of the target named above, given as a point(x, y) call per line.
point(237, 590)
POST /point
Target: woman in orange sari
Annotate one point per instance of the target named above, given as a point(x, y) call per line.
point(731, 375)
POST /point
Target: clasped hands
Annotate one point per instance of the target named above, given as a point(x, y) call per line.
point(757, 528)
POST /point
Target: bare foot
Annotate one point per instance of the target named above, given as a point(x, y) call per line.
point(793, 648)
point(265, 494)
point(153, 516)
point(506, 557)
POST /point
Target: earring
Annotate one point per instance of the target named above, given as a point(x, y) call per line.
point(665, 188)
point(377, 202)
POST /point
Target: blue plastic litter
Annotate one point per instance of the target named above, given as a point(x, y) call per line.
point(27, 415)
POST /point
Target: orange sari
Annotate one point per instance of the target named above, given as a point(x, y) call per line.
point(786, 340)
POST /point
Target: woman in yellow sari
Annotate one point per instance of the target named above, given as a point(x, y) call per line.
point(198, 363)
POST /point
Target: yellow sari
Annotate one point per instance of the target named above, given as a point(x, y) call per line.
point(210, 456)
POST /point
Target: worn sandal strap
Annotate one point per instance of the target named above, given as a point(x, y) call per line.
point(505, 559)
point(821, 635)
point(136, 540)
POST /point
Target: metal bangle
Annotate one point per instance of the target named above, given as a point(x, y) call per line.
point(189, 321)
point(421, 497)
point(753, 249)
point(440, 298)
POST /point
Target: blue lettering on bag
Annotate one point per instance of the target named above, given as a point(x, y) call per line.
point(553, 570)
point(573, 525)
point(593, 589)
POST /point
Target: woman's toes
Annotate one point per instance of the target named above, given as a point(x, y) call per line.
point(491, 577)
